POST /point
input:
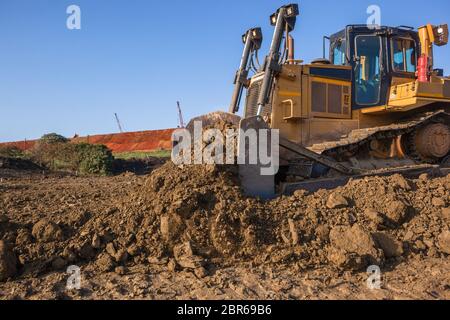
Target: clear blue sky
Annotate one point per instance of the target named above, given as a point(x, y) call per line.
point(138, 57)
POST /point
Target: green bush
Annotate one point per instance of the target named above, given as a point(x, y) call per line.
point(57, 153)
point(51, 138)
point(94, 159)
point(11, 152)
point(53, 152)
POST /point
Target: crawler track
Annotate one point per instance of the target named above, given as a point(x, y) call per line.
point(356, 139)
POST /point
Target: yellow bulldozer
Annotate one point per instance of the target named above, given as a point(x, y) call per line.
point(375, 105)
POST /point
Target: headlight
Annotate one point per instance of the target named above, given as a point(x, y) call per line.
point(273, 19)
point(292, 10)
point(440, 33)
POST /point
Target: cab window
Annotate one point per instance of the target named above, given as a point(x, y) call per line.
point(404, 55)
point(368, 69)
point(339, 52)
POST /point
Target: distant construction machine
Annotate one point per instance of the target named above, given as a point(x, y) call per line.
point(181, 123)
point(118, 123)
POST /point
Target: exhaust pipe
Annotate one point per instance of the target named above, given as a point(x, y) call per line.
point(291, 49)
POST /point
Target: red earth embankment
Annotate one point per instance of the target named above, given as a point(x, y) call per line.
point(22, 145)
point(149, 140)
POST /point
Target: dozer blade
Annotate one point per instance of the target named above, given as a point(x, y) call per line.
point(263, 186)
point(253, 182)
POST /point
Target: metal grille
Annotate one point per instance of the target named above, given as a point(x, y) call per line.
point(334, 98)
point(319, 96)
point(251, 102)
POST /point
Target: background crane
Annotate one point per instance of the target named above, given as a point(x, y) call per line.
point(118, 122)
point(180, 116)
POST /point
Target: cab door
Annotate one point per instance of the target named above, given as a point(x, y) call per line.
point(368, 70)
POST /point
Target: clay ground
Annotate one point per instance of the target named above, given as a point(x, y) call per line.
point(80, 210)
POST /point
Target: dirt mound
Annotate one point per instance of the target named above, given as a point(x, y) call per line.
point(201, 205)
point(196, 218)
point(370, 221)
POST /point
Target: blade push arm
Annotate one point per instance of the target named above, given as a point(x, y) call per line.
point(283, 20)
point(252, 42)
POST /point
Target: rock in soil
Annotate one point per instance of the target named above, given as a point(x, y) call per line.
point(96, 242)
point(8, 262)
point(172, 265)
point(353, 248)
point(374, 215)
point(185, 257)
point(47, 231)
point(23, 237)
point(120, 270)
point(59, 263)
point(336, 201)
point(396, 211)
point(105, 262)
point(390, 246)
point(201, 272)
point(445, 213)
point(444, 242)
point(438, 202)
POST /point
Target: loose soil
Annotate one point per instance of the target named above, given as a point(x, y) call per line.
point(189, 233)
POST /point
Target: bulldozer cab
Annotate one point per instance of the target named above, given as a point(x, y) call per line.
point(377, 57)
